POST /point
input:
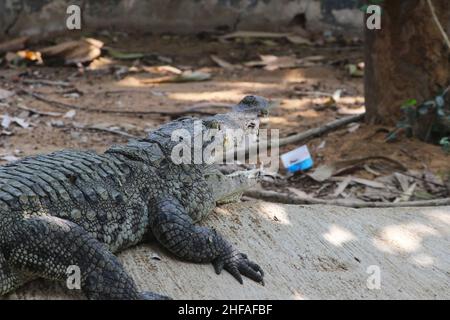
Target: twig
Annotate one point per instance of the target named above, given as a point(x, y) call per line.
point(94, 128)
point(273, 196)
point(67, 106)
point(424, 180)
point(312, 133)
point(39, 112)
point(438, 24)
point(117, 132)
point(47, 82)
point(313, 93)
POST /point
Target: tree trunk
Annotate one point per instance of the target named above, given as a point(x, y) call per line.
point(406, 59)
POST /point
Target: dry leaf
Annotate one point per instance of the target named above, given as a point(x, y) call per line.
point(116, 54)
point(326, 171)
point(222, 63)
point(5, 94)
point(6, 121)
point(271, 62)
point(70, 114)
point(186, 76)
point(73, 52)
point(13, 45)
point(9, 158)
point(323, 173)
point(342, 186)
point(293, 38)
point(21, 122)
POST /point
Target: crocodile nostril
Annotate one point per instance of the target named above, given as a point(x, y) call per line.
point(251, 125)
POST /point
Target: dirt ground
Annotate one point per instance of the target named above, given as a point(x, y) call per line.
point(106, 88)
point(407, 244)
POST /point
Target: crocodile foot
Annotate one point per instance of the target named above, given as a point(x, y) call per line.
point(238, 265)
point(148, 295)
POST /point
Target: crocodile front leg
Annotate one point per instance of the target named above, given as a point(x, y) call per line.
point(175, 230)
point(9, 279)
point(46, 246)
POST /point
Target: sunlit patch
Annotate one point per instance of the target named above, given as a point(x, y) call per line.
point(295, 104)
point(423, 260)
point(337, 236)
point(248, 85)
point(402, 238)
point(351, 100)
point(275, 213)
point(298, 296)
point(226, 95)
point(440, 216)
point(130, 82)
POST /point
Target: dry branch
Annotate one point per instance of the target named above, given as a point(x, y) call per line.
point(273, 196)
point(196, 109)
point(312, 133)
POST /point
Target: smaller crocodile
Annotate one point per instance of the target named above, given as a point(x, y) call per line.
point(76, 208)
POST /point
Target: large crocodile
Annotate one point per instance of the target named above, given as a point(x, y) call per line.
point(76, 208)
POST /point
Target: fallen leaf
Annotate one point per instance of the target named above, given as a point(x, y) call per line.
point(222, 63)
point(342, 186)
point(296, 39)
point(9, 158)
point(321, 145)
point(6, 121)
point(326, 171)
point(186, 76)
point(322, 173)
point(5, 133)
point(271, 62)
point(337, 95)
point(5, 94)
point(293, 38)
point(57, 123)
point(353, 127)
point(408, 193)
point(21, 122)
point(433, 183)
point(403, 181)
point(116, 54)
point(13, 45)
point(354, 71)
point(73, 52)
point(163, 69)
point(70, 114)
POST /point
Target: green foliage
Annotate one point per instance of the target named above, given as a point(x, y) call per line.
point(364, 7)
point(445, 143)
point(429, 121)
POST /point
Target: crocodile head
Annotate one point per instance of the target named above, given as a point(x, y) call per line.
point(238, 128)
point(198, 141)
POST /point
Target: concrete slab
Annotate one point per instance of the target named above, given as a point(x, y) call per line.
point(307, 252)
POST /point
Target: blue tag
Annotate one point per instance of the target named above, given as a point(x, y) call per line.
point(297, 160)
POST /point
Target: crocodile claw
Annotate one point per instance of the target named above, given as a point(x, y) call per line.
point(148, 295)
point(238, 265)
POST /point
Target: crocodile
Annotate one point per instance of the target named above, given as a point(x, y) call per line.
point(78, 207)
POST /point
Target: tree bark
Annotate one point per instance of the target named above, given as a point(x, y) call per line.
point(406, 59)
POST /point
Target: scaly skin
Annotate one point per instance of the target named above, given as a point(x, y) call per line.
point(78, 208)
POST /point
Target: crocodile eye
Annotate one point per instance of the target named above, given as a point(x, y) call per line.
point(212, 124)
point(251, 125)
